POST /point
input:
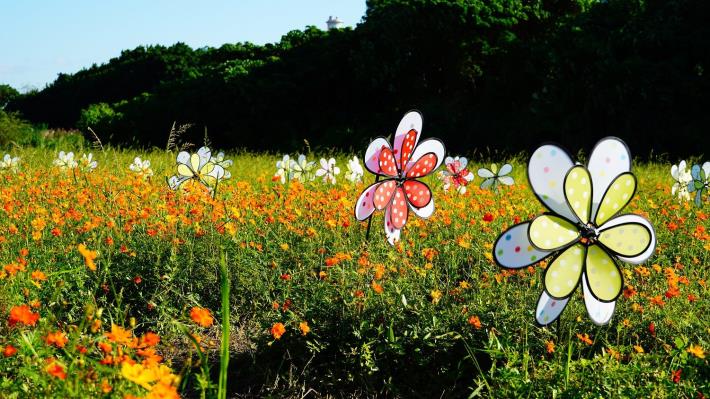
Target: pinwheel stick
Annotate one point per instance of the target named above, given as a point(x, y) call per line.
point(369, 220)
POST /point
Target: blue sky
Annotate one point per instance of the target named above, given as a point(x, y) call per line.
point(41, 38)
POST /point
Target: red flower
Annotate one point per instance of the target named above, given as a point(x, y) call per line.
point(652, 329)
point(488, 217)
point(676, 376)
point(9, 351)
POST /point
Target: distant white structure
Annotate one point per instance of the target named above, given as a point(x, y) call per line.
point(333, 23)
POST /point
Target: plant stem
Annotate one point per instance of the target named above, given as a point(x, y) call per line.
point(369, 220)
point(224, 352)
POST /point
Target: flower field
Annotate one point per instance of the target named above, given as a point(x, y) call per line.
point(110, 287)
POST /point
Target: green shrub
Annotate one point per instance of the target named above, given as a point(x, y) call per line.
point(13, 130)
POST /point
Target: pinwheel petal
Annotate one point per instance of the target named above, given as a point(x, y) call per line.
point(547, 169)
point(513, 249)
point(603, 274)
point(384, 193)
point(609, 158)
point(398, 209)
point(426, 147)
point(578, 192)
point(626, 239)
point(549, 232)
point(563, 274)
point(411, 121)
point(599, 312)
point(372, 155)
point(387, 163)
point(618, 195)
point(418, 193)
point(364, 207)
point(391, 232)
point(549, 309)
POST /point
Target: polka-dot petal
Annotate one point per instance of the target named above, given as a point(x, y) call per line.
point(399, 210)
point(617, 196)
point(547, 168)
point(549, 309)
point(388, 166)
point(392, 233)
point(629, 239)
point(633, 219)
point(603, 275)
point(405, 152)
point(372, 155)
point(365, 203)
point(563, 274)
point(513, 249)
point(599, 312)
point(423, 166)
point(411, 121)
point(549, 232)
point(578, 191)
point(418, 193)
point(384, 193)
point(609, 158)
point(426, 147)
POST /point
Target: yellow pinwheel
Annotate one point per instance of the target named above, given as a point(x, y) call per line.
point(583, 233)
point(199, 166)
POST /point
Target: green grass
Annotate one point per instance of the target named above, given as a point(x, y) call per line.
point(280, 242)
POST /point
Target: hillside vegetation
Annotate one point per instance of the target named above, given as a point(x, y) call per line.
point(501, 74)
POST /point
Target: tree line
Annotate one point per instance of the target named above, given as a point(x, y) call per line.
point(503, 74)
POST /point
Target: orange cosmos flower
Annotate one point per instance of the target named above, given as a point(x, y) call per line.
point(475, 322)
point(9, 351)
point(150, 339)
point(57, 338)
point(277, 330)
point(201, 316)
point(55, 369)
point(376, 287)
point(656, 300)
point(119, 335)
point(697, 351)
point(89, 256)
point(550, 346)
point(585, 338)
point(303, 326)
point(38, 275)
point(22, 314)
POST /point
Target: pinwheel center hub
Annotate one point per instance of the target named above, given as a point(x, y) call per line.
point(589, 233)
point(400, 180)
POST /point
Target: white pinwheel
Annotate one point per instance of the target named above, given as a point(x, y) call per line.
point(199, 167)
point(302, 169)
point(583, 232)
point(328, 170)
point(283, 169)
point(682, 177)
point(700, 183)
point(355, 171)
point(10, 163)
point(141, 167)
point(494, 177)
point(87, 163)
point(65, 161)
point(224, 163)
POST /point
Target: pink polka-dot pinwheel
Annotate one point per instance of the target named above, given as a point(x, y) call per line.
point(400, 166)
point(583, 232)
